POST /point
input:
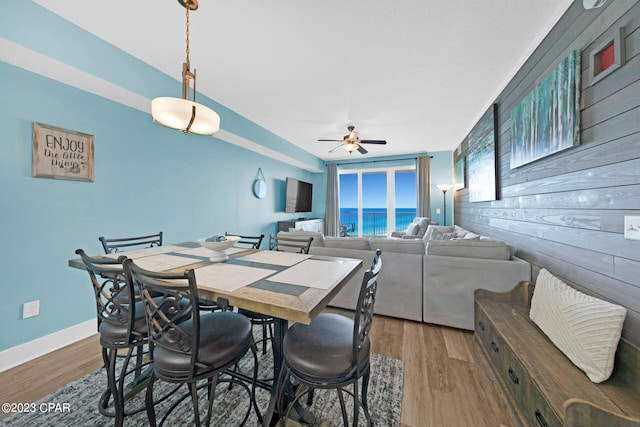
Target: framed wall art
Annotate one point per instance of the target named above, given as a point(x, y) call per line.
point(482, 158)
point(458, 174)
point(607, 57)
point(547, 120)
point(61, 153)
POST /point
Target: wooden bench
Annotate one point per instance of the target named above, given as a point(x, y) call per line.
point(542, 385)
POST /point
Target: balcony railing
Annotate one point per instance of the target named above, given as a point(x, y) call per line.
point(374, 221)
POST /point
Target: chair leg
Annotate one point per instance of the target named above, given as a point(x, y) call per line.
point(212, 395)
point(280, 387)
point(193, 388)
point(345, 418)
point(116, 390)
point(148, 401)
point(356, 404)
point(365, 390)
point(264, 338)
point(254, 351)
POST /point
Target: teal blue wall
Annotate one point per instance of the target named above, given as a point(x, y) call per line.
point(147, 177)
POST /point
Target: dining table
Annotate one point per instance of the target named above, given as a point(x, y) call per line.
point(287, 286)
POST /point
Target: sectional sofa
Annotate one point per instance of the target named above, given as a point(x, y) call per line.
point(430, 279)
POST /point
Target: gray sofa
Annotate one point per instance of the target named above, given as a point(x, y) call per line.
point(429, 280)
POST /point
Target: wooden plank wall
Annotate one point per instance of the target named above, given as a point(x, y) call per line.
point(566, 212)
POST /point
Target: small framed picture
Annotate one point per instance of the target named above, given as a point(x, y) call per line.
point(61, 153)
point(607, 57)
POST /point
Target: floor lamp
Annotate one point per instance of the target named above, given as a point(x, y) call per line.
point(445, 188)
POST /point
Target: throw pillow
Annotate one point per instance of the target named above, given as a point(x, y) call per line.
point(584, 328)
point(439, 235)
point(441, 228)
point(412, 229)
point(423, 223)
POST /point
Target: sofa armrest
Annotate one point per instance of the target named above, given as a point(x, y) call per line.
point(449, 284)
point(397, 234)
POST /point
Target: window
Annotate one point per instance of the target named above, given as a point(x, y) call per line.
point(375, 202)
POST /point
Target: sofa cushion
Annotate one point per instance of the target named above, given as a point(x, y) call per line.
point(439, 235)
point(584, 328)
point(412, 229)
point(468, 248)
point(404, 246)
point(361, 243)
point(423, 224)
point(318, 238)
point(441, 228)
point(461, 232)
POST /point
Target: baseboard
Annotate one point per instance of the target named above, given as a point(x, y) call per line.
point(39, 347)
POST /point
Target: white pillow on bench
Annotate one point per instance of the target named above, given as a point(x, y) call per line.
point(584, 328)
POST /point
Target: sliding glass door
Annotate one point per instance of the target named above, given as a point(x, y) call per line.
point(377, 202)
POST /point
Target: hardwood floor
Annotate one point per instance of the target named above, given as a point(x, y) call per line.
point(446, 381)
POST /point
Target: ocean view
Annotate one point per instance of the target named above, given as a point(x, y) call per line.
point(374, 220)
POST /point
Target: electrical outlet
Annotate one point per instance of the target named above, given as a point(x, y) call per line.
point(30, 309)
point(632, 227)
point(438, 211)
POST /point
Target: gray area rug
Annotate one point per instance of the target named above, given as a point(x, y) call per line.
point(77, 403)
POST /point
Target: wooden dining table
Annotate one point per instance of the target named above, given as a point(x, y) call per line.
point(290, 287)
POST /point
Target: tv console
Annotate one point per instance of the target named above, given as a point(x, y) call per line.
point(311, 224)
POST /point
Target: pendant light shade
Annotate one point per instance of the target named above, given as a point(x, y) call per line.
point(185, 113)
point(177, 113)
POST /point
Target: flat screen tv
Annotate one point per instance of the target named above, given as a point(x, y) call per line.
point(298, 196)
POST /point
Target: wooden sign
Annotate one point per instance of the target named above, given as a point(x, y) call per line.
point(61, 153)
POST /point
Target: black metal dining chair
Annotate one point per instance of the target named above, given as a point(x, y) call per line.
point(121, 326)
point(331, 353)
point(189, 346)
point(299, 244)
point(113, 245)
point(253, 242)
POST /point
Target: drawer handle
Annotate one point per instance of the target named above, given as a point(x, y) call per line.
point(540, 419)
point(514, 378)
point(481, 325)
point(495, 347)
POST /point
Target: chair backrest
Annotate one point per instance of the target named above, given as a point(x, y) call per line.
point(364, 308)
point(111, 246)
point(253, 241)
point(168, 300)
point(290, 244)
point(112, 295)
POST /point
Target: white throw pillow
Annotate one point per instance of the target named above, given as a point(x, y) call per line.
point(441, 228)
point(584, 328)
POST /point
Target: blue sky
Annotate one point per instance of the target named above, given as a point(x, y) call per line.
point(374, 191)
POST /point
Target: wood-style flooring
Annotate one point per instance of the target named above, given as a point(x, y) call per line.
point(447, 383)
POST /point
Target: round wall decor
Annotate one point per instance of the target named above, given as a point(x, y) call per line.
point(260, 186)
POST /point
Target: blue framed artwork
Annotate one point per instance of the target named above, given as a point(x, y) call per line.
point(482, 158)
point(547, 120)
point(458, 174)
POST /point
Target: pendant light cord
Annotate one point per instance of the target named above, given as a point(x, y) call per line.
point(187, 34)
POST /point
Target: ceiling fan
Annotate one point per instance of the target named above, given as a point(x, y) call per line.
point(351, 142)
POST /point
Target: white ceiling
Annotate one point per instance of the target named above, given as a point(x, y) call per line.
point(418, 73)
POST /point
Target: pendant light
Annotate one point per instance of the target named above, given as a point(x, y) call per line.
point(185, 113)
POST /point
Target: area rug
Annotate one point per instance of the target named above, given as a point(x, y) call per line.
point(76, 404)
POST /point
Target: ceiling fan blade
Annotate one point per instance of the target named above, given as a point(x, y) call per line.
point(362, 150)
point(372, 141)
point(330, 140)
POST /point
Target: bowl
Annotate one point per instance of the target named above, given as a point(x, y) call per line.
point(218, 252)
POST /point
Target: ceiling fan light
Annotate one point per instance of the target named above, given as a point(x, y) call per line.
point(177, 113)
point(350, 146)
